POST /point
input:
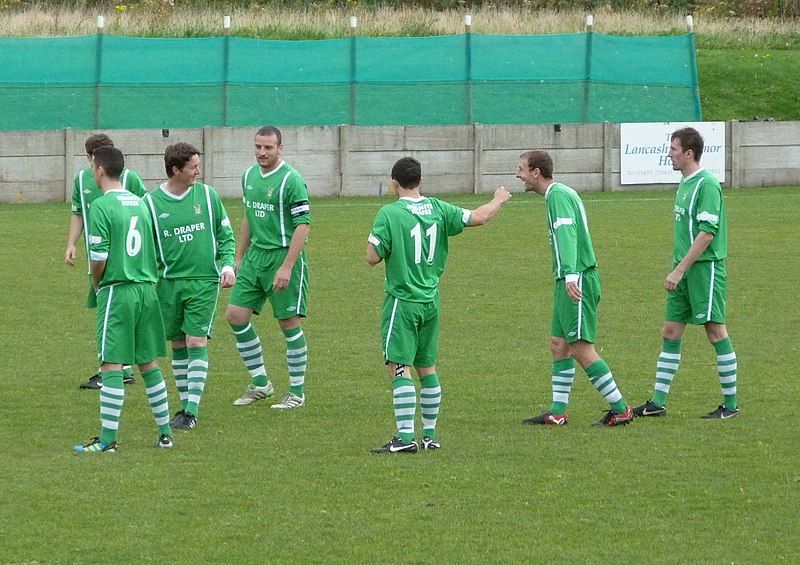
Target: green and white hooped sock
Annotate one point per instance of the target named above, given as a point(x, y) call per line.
point(249, 347)
point(296, 359)
point(667, 366)
point(430, 400)
point(196, 378)
point(112, 397)
point(563, 375)
point(156, 391)
point(180, 368)
point(726, 367)
point(127, 371)
point(404, 401)
point(602, 379)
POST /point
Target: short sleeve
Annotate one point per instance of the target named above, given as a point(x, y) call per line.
point(380, 237)
point(297, 200)
point(455, 218)
point(708, 207)
point(76, 206)
point(99, 233)
point(134, 183)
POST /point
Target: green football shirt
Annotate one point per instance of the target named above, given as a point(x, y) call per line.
point(194, 237)
point(85, 191)
point(568, 228)
point(275, 202)
point(411, 235)
point(121, 234)
point(699, 207)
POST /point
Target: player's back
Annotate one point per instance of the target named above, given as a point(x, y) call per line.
point(121, 226)
point(418, 231)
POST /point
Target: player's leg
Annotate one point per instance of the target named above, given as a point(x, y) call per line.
point(247, 297)
point(399, 340)
point(562, 373)
point(170, 300)
point(296, 362)
point(150, 345)
point(580, 318)
point(714, 295)
point(430, 393)
point(198, 319)
point(115, 324)
point(94, 382)
point(677, 313)
point(289, 307)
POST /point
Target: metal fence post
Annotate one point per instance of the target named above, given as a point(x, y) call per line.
point(588, 66)
point(353, 87)
point(468, 57)
point(226, 50)
point(98, 66)
point(693, 66)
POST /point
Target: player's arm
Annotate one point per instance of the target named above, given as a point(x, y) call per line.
point(700, 243)
point(379, 242)
point(244, 243)
point(372, 256)
point(708, 210)
point(565, 233)
point(98, 268)
point(483, 214)
point(226, 246)
point(296, 245)
point(98, 245)
point(300, 212)
point(135, 184)
point(75, 224)
point(75, 230)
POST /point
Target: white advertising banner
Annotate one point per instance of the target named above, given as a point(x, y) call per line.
point(644, 148)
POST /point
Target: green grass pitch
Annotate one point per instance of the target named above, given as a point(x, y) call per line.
point(250, 484)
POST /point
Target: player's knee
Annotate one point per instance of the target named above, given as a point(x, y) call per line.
point(236, 316)
point(559, 347)
point(716, 332)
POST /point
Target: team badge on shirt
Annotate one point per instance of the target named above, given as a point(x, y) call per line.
point(269, 192)
point(197, 209)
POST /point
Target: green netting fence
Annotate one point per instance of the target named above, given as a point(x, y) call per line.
point(105, 81)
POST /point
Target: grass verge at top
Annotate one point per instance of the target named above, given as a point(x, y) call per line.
point(324, 21)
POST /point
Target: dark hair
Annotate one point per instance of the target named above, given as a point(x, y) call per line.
point(95, 141)
point(407, 172)
point(111, 159)
point(690, 138)
point(177, 155)
point(270, 130)
point(539, 159)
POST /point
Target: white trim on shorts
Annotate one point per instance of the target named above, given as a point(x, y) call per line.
point(105, 323)
point(711, 291)
point(391, 326)
point(300, 292)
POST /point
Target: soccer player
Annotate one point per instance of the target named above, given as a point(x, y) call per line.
point(575, 298)
point(84, 192)
point(193, 237)
point(696, 286)
point(129, 325)
point(411, 235)
point(271, 264)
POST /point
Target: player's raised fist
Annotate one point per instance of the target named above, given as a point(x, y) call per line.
point(502, 194)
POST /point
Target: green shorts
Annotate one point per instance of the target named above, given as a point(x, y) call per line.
point(187, 306)
point(572, 320)
point(700, 296)
point(129, 325)
point(254, 284)
point(410, 331)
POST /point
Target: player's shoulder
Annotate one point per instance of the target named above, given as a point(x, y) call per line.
point(295, 174)
point(709, 179)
